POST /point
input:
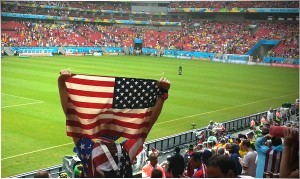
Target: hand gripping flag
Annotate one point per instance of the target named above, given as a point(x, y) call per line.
point(115, 106)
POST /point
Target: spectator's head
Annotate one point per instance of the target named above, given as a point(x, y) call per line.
point(222, 141)
point(153, 159)
point(221, 151)
point(204, 145)
point(199, 146)
point(169, 158)
point(276, 141)
point(191, 148)
point(42, 174)
point(63, 175)
point(209, 144)
point(156, 173)
point(196, 159)
point(227, 146)
point(246, 145)
point(233, 148)
point(242, 136)
point(250, 134)
point(221, 166)
point(211, 122)
point(237, 140)
point(177, 150)
point(206, 154)
point(265, 131)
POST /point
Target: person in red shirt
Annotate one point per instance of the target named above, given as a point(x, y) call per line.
point(196, 162)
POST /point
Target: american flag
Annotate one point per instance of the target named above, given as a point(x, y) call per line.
point(94, 160)
point(116, 106)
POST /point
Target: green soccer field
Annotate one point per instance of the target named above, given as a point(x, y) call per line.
point(33, 124)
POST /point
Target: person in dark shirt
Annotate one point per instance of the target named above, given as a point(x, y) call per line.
point(177, 164)
point(221, 166)
point(180, 70)
point(198, 165)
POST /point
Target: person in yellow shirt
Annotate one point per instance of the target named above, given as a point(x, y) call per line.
point(242, 152)
point(221, 144)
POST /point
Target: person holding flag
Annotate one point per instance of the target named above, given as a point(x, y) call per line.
point(99, 110)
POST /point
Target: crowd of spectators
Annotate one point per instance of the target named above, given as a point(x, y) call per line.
point(234, 4)
point(269, 149)
point(93, 5)
point(125, 6)
point(208, 36)
point(43, 35)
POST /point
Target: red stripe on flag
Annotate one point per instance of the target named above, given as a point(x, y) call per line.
point(91, 82)
point(119, 114)
point(90, 93)
point(105, 132)
point(273, 160)
point(107, 122)
point(128, 147)
point(99, 160)
point(90, 105)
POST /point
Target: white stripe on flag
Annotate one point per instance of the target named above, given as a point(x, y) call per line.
point(87, 99)
point(95, 78)
point(95, 110)
point(104, 167)
point(277, 163)
point(97, 151)
point(89, 87)
point(270, 161)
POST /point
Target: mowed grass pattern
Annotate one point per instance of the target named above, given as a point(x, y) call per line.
point(32, 118)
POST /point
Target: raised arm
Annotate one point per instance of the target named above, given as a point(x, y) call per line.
point(164, 85)
point(64, 75)
point(288, 155)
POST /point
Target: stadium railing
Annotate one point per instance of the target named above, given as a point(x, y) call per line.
point(54, 171)
point(188, 137)
point(167, 144)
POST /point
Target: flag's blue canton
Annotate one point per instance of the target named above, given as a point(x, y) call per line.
point(134, 93)
point(84, 151)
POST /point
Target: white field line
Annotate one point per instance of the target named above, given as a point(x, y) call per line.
point(223, 109)
point(36, 151)
point(21, 97)
point(147, 74)
point(158, 123)
point(22, 104)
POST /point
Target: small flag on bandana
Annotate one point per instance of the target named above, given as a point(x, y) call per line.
point(109, 105)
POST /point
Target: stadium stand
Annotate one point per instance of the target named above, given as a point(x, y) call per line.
point(215, 37)
point(196, 38)
point(234, 4)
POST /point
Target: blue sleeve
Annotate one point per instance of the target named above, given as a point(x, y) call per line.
point(260, 145)
point(235, 158)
